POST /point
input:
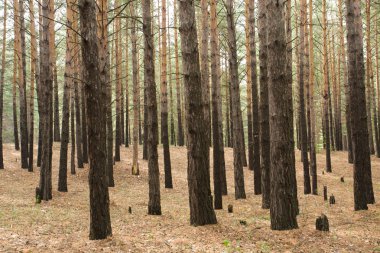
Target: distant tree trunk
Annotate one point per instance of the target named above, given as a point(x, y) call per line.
point(205, 72)
point(198, 171)
point(100, 221)
point(377, 76)
point(45, 100)
point(62, 176)
point(72, 126)
point(127, 137)
point(363, 189)
point(282, 206)
point(303, 81)
point(326, 88)
point(118, 85)
point(154, 206)
point(53, 65)
point(164, 101)
point(370, 85)
point(264, 107)
point(14, 92)
point(255, 100)
point(22, 89)
point(313, 156)
point(346, 88)
point(236, 111)
point(172, 127)
point(180, 134)
point(34, 77)
point(136, 97)
point(2, 83)
point(218, 153)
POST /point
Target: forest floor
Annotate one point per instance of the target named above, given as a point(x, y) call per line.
point(62, 225)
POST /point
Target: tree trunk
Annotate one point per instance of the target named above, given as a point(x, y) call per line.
point(118, 85)
point(84, 125)
point(62, 178)
point(22, 88)
point(100, 222)
point(136, 96)
point(218, 153)
point(303, 82)
point(264, 107)
point(236, 111)
point(198, 171)
point(164, 101)
point(180, 134)
point(45, 100)
point(313, 156)
point(326, 89)
point(127, 136)
point(363, 190)
point(2, 84)
point(282, 207)
point(154, 206)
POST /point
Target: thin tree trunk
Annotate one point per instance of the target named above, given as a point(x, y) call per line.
point(127, 136)
point(164, 101)
point(22, 88)
point(118, 58)
point(264, 107)
point(2, 84)
point(84, 124)
point(326, 88)
point(236, 111)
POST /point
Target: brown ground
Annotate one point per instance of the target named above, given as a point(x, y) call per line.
point(62, 224)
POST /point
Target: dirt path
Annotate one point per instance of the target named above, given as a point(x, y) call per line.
point(61, 225)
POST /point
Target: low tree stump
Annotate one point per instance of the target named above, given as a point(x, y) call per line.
point(332, 200)
point(342, 179)
point(243, 222)
point(322, 223)
point(325, 193)
point(230, 208)
point(130, 210)
point(38, 195)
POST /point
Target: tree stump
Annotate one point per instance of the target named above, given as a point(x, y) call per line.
point(322, 223)
point(325, 193)
point(230, 208)
point(130, 210)
point(332, 200)
point(342, 179)
point(38, 195)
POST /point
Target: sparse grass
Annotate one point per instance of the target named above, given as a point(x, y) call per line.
point(61, 225)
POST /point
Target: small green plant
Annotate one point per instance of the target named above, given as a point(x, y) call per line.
point(230, 247)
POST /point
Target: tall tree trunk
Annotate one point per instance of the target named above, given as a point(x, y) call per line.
point(326, 88)
point(34, 77)
point(53, 65)
point(346, 87)
point(62, 176)
point(204, 37)
point(127, 136)
point(45, 100)
point(303, 82)
point(84, 124)
point(2, 84)
point(264, 107)
point(136, 96)
point(100, 221)
point(255, 100)
point(164, 101)
point(236, 111)
point(198, 171)
point(22, 89)
point(282, 206)
point(313, 156)
point(172, 127)
point(180, 134)
point(154, 206)
point(78, 127)
point(217, 131)
point(118, 85)
point(363, 189)
point(72, 131)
